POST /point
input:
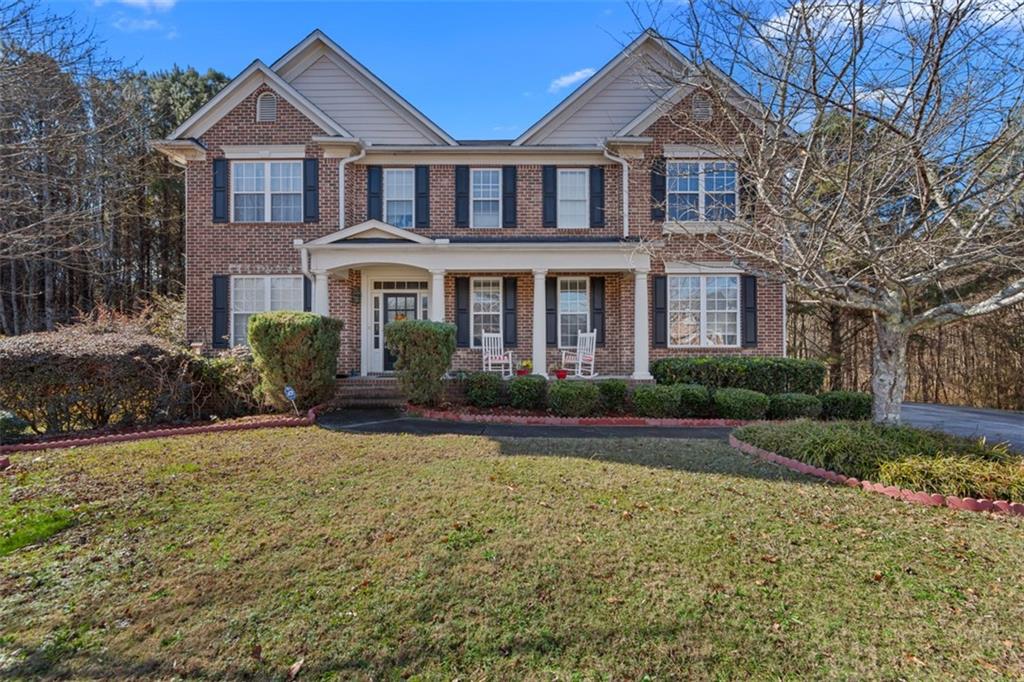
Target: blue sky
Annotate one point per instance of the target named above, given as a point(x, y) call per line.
point(479, 70)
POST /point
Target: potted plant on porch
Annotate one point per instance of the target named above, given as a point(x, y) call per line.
point(524, 368)
point(559, 372)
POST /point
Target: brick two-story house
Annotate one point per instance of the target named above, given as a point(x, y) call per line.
point(313, 185)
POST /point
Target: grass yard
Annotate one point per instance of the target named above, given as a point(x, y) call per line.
point(380, 557)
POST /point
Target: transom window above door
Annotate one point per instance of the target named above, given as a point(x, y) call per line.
point(485, 206)
point(399, 197)
point(701, 190)
point(266, 191)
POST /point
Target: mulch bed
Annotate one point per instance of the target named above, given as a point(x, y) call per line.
point(522, 417)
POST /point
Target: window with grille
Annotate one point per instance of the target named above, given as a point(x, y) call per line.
point(703, 310)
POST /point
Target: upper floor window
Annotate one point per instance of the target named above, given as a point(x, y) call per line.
point(266, 108)
point(573, 197)
point(573, 309)
point(703, 310)
point(250, 295)
point(701, 190)
point(399, 197)
point(485, 203)
point(485, 308)
point(265, 191)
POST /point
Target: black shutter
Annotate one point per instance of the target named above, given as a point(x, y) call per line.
point(551, 310)
point(549, 196)
point(597, 307)
point(220, 311)
point(659, 305)
point(422, 196)
point(307, 294)
point(220, 190)
point(374, 193)
point(462, 312)
point(748, 323)
point(508, 196)
point(658, 189)
point(597, 196)
point(462, 196)
point(508, 311)
point(311, 190)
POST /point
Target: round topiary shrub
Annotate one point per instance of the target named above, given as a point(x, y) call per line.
point(424, 349)
point(298, 350)
point(528, 393)
point(794, 406)
point(740, 403)
point(656, 401)
point(613, 395)
point(483, 389)
point(845, 405)
point(573, 398)
point(694, 400)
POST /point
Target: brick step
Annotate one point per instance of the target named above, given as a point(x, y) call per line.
point(356, 391)
point(368, 401)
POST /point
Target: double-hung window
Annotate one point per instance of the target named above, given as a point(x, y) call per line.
point(399, 195)
point(573, 197)
point(701, 190)
point(250, 295)
point(266, 191)
point(485, 204)
point(703, 310)
point(573, 309)
point(485, 308)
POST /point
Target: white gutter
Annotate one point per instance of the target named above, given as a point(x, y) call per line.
point(625, 189)
point(341, 185)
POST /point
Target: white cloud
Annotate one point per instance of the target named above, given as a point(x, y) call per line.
point(129, 25)
point(570, 79)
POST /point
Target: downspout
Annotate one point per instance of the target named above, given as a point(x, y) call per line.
point(341, 185)
point(625, 189)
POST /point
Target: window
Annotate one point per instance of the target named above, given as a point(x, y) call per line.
point(485, 207)
point(254, 199)
point(399, 195)
point(701, 190)
point(251, 295)
point(484, 308)
point(573, 309)
point(573, 189)
point(266, 108)
point(703, 310)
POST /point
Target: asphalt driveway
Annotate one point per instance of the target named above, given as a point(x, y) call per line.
point(995, 425)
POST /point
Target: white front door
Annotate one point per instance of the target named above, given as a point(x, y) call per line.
point(389, 299)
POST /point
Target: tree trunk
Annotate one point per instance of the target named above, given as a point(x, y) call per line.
point(835, 348)
point(889, 370)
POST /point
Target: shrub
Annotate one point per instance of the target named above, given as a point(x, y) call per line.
point(740, 403)
point(766, 375)
point(656, 401)
point(793, 406)
point(424, 351)
point(11, 426)
point(956, 476)
point(845, 405)
point(227, 384)
point(298, 350)
point(573, 398)
point(483, 389)
point(529, 392)
point(694, 400)
point(613, 395)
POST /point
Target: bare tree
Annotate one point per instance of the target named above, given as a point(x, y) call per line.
point(881, 148)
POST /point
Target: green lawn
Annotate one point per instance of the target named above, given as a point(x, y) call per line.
point(380, 557)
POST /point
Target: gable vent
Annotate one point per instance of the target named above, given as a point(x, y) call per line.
point(266, 108)
point(701, 108)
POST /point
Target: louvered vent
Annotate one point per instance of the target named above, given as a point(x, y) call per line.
point(266, 108)
point(701, 108)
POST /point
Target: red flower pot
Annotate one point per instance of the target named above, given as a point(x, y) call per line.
point(522, 372)
point(561, 373)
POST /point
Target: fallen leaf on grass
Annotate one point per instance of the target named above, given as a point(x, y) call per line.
point(293, 671)
point(770, 559)
point(615, 600)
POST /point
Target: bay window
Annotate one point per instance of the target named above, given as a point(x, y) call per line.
point(399, 195)
point(250, 295)
point(266, 191)
point(700, 190)
point(485, 308)
point(703, 311)
point(573, 309)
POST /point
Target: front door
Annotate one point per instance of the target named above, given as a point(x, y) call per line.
point(397, 307)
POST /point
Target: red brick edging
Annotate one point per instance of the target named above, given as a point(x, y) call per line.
point(914, 497)
point(162, 432)
point(545, 420)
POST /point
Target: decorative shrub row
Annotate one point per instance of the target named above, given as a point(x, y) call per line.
point(901, 456)
point(765, 375)
point(424, 350)
point(298, 350)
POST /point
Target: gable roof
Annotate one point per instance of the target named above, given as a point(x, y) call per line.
point(240, 87)
point(371, 230)
point(297, 60)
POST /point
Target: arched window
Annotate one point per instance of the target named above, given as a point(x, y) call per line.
point(266, 108)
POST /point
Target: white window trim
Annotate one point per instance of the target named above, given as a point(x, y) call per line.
point(501, 305)
point(702, 225)
point(558, 306)
point(702, 331)
point(586, 198)
point(472, 212)
point(384, 196)
point(266, 191)
point(266, 300)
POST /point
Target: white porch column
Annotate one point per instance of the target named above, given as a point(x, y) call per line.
point(540, 338)
point(320, 296)
point(437, 295)
point(641, 327)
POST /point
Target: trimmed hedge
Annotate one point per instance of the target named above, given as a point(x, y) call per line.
point(793, 406)
point(295, 349)
point(11, 426)
point(740, 403)
point(528, 393)
point(897, 455)
point(573, 398)
point(656, 401)
point(424, 351)
point(694, 400)
point(614, 393)
point(845, 405)
point(483, 389)
point(765, 375)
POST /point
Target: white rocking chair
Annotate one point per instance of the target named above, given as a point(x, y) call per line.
point(495, 357)
point(581, 360)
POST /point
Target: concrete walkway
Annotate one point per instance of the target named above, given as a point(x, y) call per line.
point(995, 425)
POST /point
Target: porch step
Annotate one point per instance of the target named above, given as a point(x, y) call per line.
point(368, 392)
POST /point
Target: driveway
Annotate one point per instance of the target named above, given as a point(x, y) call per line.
point(995, 425)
